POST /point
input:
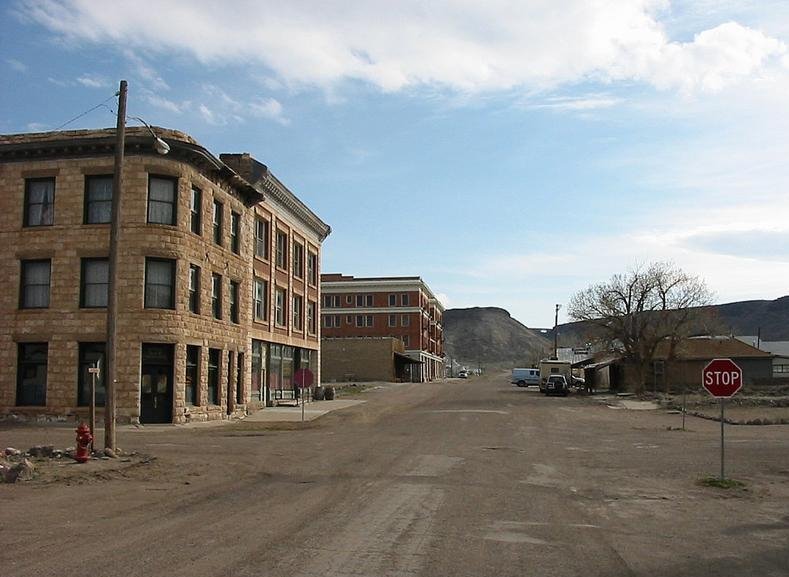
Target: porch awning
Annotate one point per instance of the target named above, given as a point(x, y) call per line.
point(406, 359)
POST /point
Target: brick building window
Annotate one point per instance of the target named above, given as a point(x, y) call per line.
point(194, 289)
point(214, 359)
point(234, 293)
point(405, 321)
point(196, 211)
point(95, 283)
point(297, 312)
point(35, 278)
point(348, 299)
point(279, 307)
point(405, 340)
point(282, 249)
point(261, 238)
point(331, 301)
point(311, 326)
point(39, 201)
point(260, 300)
point(364, 320)
point(159, 283)
point(31, 374)
point(235, 232)
point(216, 221)
point(89, 355)
point(404, 299)
point(392, 320)
point(312, 268)
point(98, 199)
point(392, 300)
point(216, 295)
point(298, 260)
point(192, 374)
point(162, 200)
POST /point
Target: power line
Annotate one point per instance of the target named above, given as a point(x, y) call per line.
point(99, 105)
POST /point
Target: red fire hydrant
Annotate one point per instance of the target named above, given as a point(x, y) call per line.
point(84, 440)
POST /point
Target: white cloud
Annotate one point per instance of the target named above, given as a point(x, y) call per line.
point(583, 103)
point(94, 81)
point(268, 108)
point(166, 104)
point(16, 64)
point(462, 45)
point(208, 115)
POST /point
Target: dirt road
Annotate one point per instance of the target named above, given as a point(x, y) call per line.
point(474, 478)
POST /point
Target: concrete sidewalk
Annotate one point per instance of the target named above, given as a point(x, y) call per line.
point(312, 411)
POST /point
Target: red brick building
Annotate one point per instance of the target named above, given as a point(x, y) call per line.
point(400, 307)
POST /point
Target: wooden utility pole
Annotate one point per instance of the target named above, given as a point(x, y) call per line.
point(556, 334)
point(111, 379)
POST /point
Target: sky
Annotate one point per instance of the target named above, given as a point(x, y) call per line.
point(511, 153)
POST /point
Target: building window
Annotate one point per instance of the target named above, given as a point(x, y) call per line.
point(312, 268)
point(162, 200)
point(404, 299)
point(260, 300)
point(159, 283)
point(311, 327)
point(348, 299)
point(405, 320)
point(330, 321)
point(259, 362)
point(194, 289)
point(392, 320)
point(282, 249)
point(368, 300)
point(216, 219)
point(216, 295)
point(95, 283)
point(240, 379)
point(39, 201)
point(359, 300)
point(261, 238)
point(214, 358)
point(279, 307)
point(31, 374)
point(192, 374)
point(196, 211)
point(297, 306)
point(234, 301)
point(331, 301)
point(405, 340)
point(392, 300)
point(364, 320)
point(91, 355)
point(98, 199)
point(35, 277)
point(364, 300)
point(298, 260)
point(235, 232)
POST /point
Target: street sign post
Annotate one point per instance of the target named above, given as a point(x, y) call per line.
point(722, 378)
point(303, 379)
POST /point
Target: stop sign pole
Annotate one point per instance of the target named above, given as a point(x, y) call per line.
point(722, 378)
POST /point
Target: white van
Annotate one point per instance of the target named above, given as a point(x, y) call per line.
point(525, 377)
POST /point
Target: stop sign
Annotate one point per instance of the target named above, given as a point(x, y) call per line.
point(722, 378)
point(303, 378)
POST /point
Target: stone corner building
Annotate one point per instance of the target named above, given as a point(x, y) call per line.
point(218, 278)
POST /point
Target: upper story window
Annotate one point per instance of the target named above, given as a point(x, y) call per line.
point(364, 320)
point(235, 232)
point(279, 307)
point(196, 211)
point(39, 201)
point(331, 301)
point(392, 300)
point(217, 222)
point(364, 300)
point(216, 295)
point(194, 288)
point(34, 292)
point(392, 320)
point(404, 299)
point(162, 200)
point(234, 301)
point(311, 324)
point(95, 282)
point(261, 238)
point(98, 199)
point(282, 249)
point(260, 300)
point(159, 283)
point(312, 268)
point(298, 260)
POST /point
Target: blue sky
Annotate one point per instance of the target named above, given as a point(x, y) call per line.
point(510, 153)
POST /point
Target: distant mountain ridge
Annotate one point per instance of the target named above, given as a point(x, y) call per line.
point(490, 337)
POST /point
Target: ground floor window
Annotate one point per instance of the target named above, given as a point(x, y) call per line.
point(240, 379)
point(31, 373)
point(91, 355)
point(192, 374)
point(214, 358)
point(259, 364)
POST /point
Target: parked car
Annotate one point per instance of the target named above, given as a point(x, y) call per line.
point(557, 385)
point(463, 374)
point(525, 377)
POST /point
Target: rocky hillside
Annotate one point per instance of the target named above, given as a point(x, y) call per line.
point(738, 318)
point(490, 337)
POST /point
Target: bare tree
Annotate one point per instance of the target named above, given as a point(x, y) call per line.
point(643, 307)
